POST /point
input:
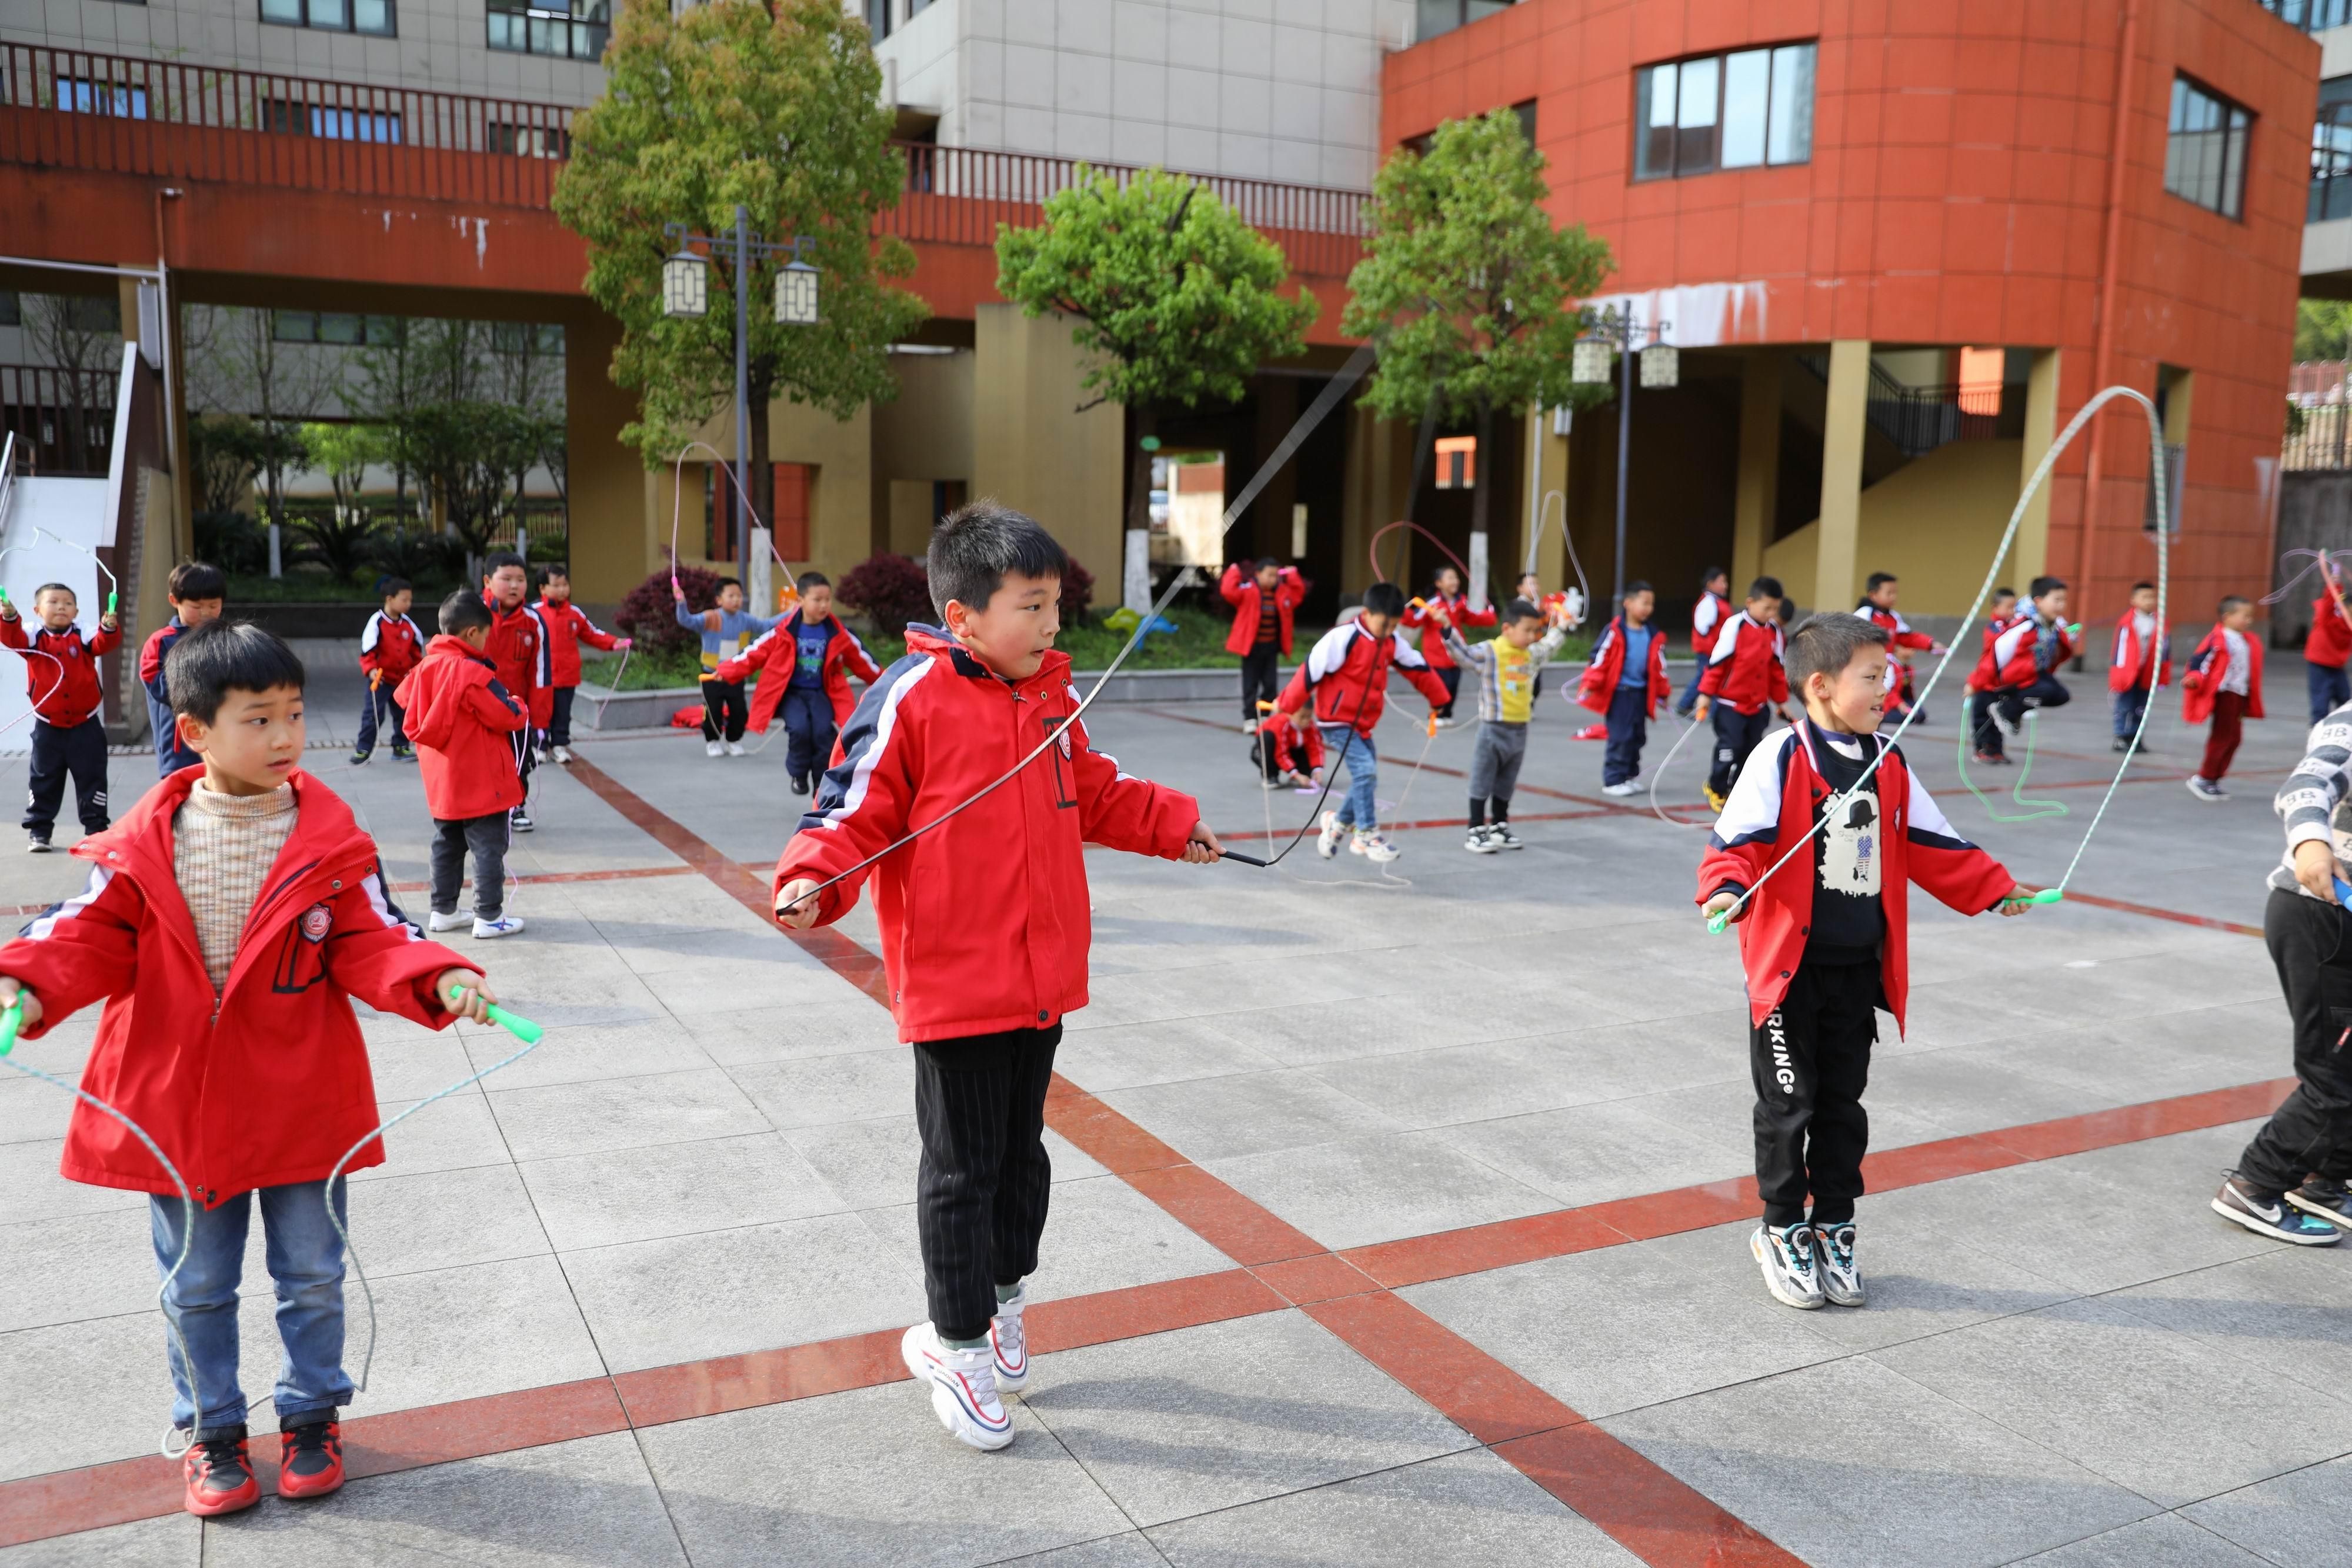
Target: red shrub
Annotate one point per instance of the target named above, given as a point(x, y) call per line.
point(650, 615)
point(890, 590)
point(1077, 593)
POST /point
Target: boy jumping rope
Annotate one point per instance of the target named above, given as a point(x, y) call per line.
point(1345, 680)
point(809, 657)
point(1265, 603)
point(984, 921)
point(68, 733)
point(1825, 941)
point(251, 880)
point(2223, 682)
point(1508, 666)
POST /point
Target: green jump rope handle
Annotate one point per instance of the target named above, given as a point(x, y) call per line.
point(1717, 924)
point(521, 1028)
point(2046, 895)
point(11, 1021)
point(111, 596)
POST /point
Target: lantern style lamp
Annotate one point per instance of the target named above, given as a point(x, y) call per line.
point(686, 286)
point(1589, 362)
point(1661, 366)
point(796, 294)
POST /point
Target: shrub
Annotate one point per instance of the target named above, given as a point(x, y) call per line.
point(650, 615)
point(232, 542)
point(1077, 593)
point(889, 590)
point(423, 557)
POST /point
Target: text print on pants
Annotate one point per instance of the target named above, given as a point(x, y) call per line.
point(1782, 1073)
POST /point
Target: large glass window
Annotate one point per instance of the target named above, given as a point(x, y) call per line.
point(1435, 16)
point(576, 30)
point(1739, 111)
point(376, 17)
point(2331, 153)
point(2311, 16)
point(2205, 149)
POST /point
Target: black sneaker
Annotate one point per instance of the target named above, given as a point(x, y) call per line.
point(403, 755)
point(2269, 1213)
point(519, 820)
point(800, 784)
point(360, 757)
point(2327, 1198)
point(36, 844)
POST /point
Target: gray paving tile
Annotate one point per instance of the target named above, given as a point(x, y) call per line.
point(633, 1047)
point(590, 1501)
point(1125, 1056)
point(176, 1541)
point(447, 1135)
point(811, 1028)
point(408, 1062)
point(1362, 1189)
point(1223, 1117)
point(603, 1115)
point(1130, 1550)
point(76, 1267)
point(1590, 1154)
point(2284, 1309)
point(1537, 1072)
point(2295, 1520)
point(86, 1393)
point(1468, 1508)
point(521, 1330)
point(674, 1189)
point(1204, 1418)
point(868, 1477)
point(36, 1191)
point(2168, 1541)
point(1100, 1234)
point(1852, 1466)
point(816, 1091)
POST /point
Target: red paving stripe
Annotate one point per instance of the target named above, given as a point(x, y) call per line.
point(2152, 912)
point(1642, 1506)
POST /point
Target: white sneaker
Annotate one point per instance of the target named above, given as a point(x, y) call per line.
point(446, 922)
point(962, 1386)
point(519, 820)
point(1840, 1276)
point(1785, 1254)
point(734, 747)
point(1374, 847)
point(1622, 788)
point(505, 925)
point(1327, 843)
point(1010, 1340)
point(1478, 843)
point(563, 753)
point(1249, 726)
point(713, 749)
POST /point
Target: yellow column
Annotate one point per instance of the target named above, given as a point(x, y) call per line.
point(2032, 553)
point(612, 523)
point(1032, 450)
point(1843, 422)
point(1759, 466)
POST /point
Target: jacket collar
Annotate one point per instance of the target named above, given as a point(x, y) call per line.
point(499, 612)
point(1053, 670)
point(449, 647)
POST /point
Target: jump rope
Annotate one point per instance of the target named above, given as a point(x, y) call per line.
point(2051, 895)
point(677, 502)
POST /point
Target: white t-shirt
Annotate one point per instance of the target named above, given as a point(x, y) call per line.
point(2242, 663)
point(2143, 623)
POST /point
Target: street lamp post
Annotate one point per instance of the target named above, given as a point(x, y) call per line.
point(686, 294)
point(1615, 330)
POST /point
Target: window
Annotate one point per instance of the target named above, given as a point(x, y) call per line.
point(1458, 462)
point(2311, 16)
point(1739, 111)
point(877, 19)
point(376, 17)
point(2331, 152)
point(331, 121)
point(2205, 149)
point(84, 96)
point(1436, 17)
point(339, 327)
point(795, 483)
point(94, 313)
point(531, 140)
point(537, 337)
point(576, 31)
point(11, 309)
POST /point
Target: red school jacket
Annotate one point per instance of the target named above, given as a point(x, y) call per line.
point(1432, 636)
point(1295, 750)
point(64, 686)
point(2330, 642)
point(2009, 654)
point(1347, 674)
point(1744, 667)
point(516, 641)
point(985, 922)
point(390, 647)
point(2128, 667)
point(270, 1086)
point(1242, 592)
point(779, 649)
point(460, 716)
point(563, 626)
point(1707, 616)
point(1771, 807)
point(1607, 668)
point(2201, 681)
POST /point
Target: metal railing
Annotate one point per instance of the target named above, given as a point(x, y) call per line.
point(2311, 16)
point(1918, 419)
point(114, 114)
point(62, 422)
point(8, 473)
point(2318, 436)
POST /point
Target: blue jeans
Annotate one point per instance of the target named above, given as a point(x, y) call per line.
point(808, 732)
point(306, 1263)
point(1629, 726)
point(2128, 707)
point(2330, 689)
point(1689, 699)
point(1361, 809)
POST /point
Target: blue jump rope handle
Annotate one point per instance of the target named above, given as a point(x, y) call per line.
point(2342, 896)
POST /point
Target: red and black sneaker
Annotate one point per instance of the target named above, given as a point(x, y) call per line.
point(220, 1474)
point(311, 1459)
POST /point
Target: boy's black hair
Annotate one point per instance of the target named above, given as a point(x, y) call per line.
point(729, 582)
point(556, 568)
point(1442, 568)
point(975, 547)
point(1638, 585)
point(1878, 580)
point(1384, 599)
point(197, 580)
point(1766, 588)
point(2042, 585)
point(498, 561)
point(212, 661)
point(1826, 644)
point(2137, 586)
point(56, 587)
point(1522, 610)
point(2230, 602)
point(2004, 591)
point(462, 610)
point(808, 580)
point(387, 585)
point(1710, 575)
point(1266, 561)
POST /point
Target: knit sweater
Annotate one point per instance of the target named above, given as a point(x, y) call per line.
point(222, 849)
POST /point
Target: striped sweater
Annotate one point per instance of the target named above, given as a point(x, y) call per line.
point(1480, 657)
point(2311, 801)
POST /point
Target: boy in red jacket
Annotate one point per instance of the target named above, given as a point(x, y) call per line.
point(1878, 596)
point(2018, 670)
point(1825, 940)
point(196, 593)
point(2137, 667)
point(390, 645)
point(463, 722)
point(251, 882)
point(1626, 683)
point(2224, 682)
point(984, 921)
point(562, 627)
point(2329, 645)
point(1290, 750)
point(1345, 680)
point(61, 678)
point(1263, 603)
point(809, 657)
point(1445, 594)
point(515, 646)
point(1744, 676)
point(1708, 615)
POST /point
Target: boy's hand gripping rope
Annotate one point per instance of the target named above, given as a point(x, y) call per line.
point(1717, 923)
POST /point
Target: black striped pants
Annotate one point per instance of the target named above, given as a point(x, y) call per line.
point(979, 1201)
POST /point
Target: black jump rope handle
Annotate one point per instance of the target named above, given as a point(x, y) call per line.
point(1244, 859)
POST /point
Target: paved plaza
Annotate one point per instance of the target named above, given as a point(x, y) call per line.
point(1398, 1220)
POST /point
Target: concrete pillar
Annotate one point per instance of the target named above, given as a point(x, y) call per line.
point(2033, 552)
point(1759, 484)
point(1844, 421)
point(613, 533)
point(1267, 531)
point(1547, 507)
point(1030, 450)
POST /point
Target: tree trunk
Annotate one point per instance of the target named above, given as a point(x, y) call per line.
point(1482, 490)
point(1135, 576)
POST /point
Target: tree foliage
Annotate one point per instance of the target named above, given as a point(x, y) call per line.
point(2323, 328)
point(227, 450)
point(776, 106)
point(467, 455)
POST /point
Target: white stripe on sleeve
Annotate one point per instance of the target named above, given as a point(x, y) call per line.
point(46, 926)
point(886, 730)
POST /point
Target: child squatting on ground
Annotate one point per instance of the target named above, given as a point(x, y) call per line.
point(1625, 682)
point(2223, 682)
point(809, 657)
point(68, 733)
point(463, 722)
point(1825, 941)
point(984, 921)
point(197, 593)
point(251, 882)
point(1345, 680)
point(1505, 666)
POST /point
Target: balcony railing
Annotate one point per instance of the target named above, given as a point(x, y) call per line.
point(2311, 16)
point(113, 114)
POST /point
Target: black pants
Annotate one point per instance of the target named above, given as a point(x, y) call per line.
point(1810, 1059)
point(2311, 1133)
point(724, 711)
point(1261, 672)
point(559, 720)
point(379, 698)
point(1629, 726)
point(81, 751)
point(809, 734)
point(980, 1200)
point(486, 837)
point(526, 763)
point(2012, 701)
point(1735, 735)
point(1451, 677)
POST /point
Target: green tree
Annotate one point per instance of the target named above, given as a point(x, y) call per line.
point(1469, 291)
point(1174, 297)
point(227, 450)
point(467, 455)
point(2323, 328)
point(339, 536)
point(775, 105)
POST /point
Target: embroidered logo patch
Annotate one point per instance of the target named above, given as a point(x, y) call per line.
point(317, 920)
point(1063, 736)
